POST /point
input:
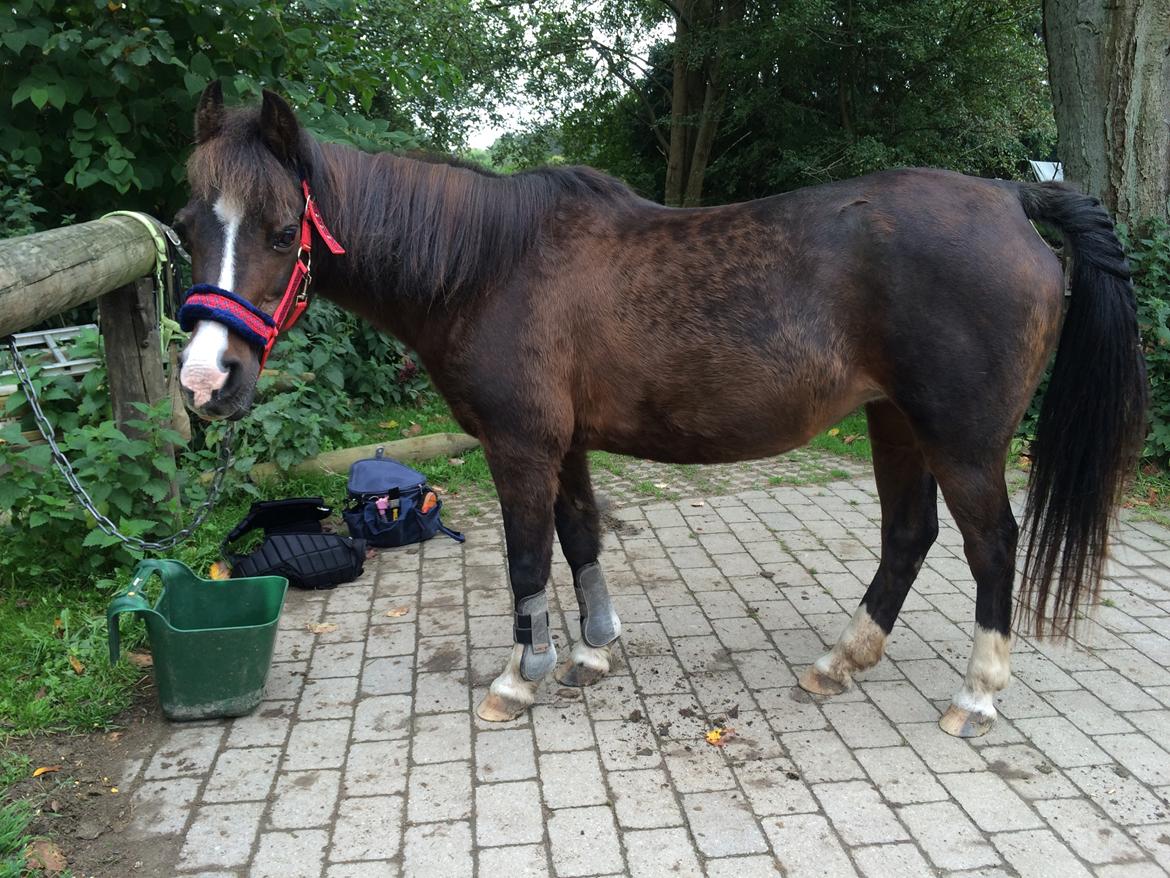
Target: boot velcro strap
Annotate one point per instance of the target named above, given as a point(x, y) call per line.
point(522, 628)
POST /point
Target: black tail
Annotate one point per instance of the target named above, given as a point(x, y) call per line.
point(1093, 418)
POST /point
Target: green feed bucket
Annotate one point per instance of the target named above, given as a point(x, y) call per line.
point(212, 640)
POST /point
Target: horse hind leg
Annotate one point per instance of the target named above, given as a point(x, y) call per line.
point(908, 495)
point(578, 527)
point(978, 499)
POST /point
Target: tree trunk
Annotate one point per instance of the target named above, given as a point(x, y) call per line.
point(676, 165)
point(1109, 64)
point(697, 97)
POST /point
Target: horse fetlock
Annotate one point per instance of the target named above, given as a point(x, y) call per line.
point(600, 625)
point(511, 693)
point(972, 711)
point(860, 647)
point(585, 665)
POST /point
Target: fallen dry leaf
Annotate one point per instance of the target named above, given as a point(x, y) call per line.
point(661, 485)
point(698, 503)
point(455, 461)
point(849, 440)
point(321, 627)
point(140, 659)
point(388, 425)
point(834, 431)
point(46, 769)
point(397, 612)
point(413, 430)
point(78, 667)
point(46, 856)
point(718, 736)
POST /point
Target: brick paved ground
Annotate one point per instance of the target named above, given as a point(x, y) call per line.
point(367, 759)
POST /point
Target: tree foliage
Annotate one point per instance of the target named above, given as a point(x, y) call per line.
point(826, 89)
point(99, 94)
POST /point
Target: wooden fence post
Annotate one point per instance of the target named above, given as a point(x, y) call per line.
point(128, 320)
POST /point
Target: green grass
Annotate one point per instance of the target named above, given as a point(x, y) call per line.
point(43, 631)
point(15, 818)
point(849, 438)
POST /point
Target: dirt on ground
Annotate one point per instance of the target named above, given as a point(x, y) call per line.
point(82, 798)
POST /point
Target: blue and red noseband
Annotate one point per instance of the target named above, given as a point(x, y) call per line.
point(256, 327)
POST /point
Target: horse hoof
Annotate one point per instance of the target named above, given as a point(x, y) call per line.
point(962, 723)
point(818, 682)
point(585, 666)
point(499, 709)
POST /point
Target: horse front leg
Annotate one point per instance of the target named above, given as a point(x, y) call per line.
point(579, 528)
point(526, 482)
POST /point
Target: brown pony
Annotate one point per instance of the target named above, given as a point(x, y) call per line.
point(558, 312)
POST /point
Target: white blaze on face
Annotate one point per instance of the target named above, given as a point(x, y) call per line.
point(203, 371)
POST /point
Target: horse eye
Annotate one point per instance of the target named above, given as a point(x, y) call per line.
point(285, 237)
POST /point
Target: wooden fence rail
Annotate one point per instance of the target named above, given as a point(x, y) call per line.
point(44, 274)
point(111, 260)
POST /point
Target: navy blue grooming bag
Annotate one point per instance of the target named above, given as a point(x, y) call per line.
point(399, 490)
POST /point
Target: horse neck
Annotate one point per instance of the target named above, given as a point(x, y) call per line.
point(364, 280)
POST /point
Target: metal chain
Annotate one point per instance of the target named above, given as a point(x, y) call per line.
point(66, 468)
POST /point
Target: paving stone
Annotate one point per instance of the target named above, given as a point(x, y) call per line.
point(267, 726)
point(644, 799)
point(375, 768)
point(572, 779)
point(903, 860)
point(759, 866)
point(821, 756)
point(304, 799)
point(162, 807)
point(584, 841)
point(381, 717)
point(185, 752)
point(242, 775)
point(518, 861)
point(441, 692)
point(439, 792)
point(1089, 833)
point(508, 813)
point(949, 838)
point(989, 801)
point(661, 853)
point(297, 854)
point(441, 737)
point(316, 745)
point(773, 786)
point(1040, 854)
point(221, 835)
point(504, 755)
point(722, 825)
point(563, 725)
point(438, 850)
point(367, 828)
point(858, 814)
point(806, 847)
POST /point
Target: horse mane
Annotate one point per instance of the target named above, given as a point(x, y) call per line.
point(443, 227)
point(430, 227)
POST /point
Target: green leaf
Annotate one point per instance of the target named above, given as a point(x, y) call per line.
point(140, 57)
point(84, 119)
point(193, 83)
point(97, 538)
point(39, 96)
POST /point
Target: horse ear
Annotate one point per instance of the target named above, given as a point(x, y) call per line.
point(209, 114)
point(280, 129)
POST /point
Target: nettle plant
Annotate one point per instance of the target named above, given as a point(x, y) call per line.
point(47, 532)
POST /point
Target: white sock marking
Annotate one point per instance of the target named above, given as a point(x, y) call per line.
point(988, 671)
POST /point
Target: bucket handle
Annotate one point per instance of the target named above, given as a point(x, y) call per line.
point(132, 600)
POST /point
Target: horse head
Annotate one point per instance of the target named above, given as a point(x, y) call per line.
point(249, 228)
